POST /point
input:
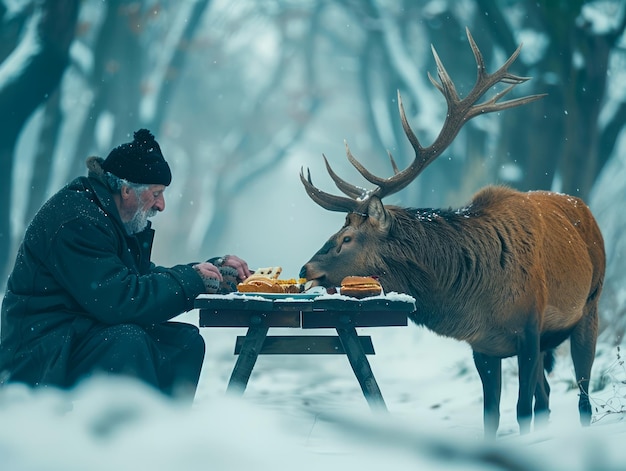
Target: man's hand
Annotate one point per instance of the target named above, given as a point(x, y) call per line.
point(211, 276)
point(238, 264)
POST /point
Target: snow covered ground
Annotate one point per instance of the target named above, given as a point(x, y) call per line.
point(308, 413)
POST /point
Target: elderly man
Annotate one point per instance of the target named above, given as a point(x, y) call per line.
point(84, 297)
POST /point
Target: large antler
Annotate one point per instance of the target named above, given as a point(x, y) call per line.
point(459, 112)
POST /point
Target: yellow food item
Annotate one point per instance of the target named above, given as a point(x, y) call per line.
point(265, 280)
point(260, 284)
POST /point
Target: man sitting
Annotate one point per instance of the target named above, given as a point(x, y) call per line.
point(84, 296)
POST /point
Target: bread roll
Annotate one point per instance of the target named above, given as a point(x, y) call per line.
point(260, 284)
point(360, 286)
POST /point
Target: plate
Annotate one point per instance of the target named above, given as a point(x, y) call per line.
point(282, 295)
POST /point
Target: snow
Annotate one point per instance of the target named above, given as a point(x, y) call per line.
point(308, 412)
point(320, 293)
point(601, 17)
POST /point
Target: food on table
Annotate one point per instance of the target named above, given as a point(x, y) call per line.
point(269, 272)
point(360, 286)
point(292, 285)
point(259, 284)
point(265, 280)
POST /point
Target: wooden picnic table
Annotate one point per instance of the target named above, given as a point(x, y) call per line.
point(258, 313)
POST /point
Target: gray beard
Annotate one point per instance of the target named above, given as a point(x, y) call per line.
point(139, 221)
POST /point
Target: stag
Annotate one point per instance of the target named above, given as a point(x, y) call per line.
point(511, 273)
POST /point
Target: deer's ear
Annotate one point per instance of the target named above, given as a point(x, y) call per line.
point(377, 212)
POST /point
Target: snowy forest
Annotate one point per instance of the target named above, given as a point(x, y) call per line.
point(242, 94)
point(235, 91)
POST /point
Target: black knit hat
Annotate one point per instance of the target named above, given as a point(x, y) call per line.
point(140, 161)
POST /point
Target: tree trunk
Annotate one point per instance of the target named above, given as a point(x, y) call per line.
point(42, 163)
point(175, 64)
point(116, 82)
point(568, 144)
point(27, 77)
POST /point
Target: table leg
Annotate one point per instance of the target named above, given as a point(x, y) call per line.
point(247, 358)
point(361, 367)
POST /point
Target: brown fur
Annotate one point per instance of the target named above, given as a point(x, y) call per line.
point(512, 274)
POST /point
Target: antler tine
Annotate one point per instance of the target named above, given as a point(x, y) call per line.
point(369, 176)
point(393, 163)
point(407, 127)
point(480, 62)
point(493, 105)
point(447, 88)
point(353, 191)
point(485, 81)
point(482, 71)
point(326, 200)
point(402, 178)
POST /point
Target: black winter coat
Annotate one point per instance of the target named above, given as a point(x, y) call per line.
point(78, 268)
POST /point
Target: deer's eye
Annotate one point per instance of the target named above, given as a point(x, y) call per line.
point(347, 239)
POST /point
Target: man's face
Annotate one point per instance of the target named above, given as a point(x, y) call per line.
point(142, 206)
point(152, 198)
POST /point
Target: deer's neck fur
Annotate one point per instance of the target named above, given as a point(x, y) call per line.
point(459, 262)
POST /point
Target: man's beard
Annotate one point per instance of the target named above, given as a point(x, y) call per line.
point(139, 221)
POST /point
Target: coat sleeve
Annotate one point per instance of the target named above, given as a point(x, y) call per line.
point(84, 259)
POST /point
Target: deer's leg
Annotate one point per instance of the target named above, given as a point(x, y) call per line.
point(529, 365)
point(490, 371)
point(583, 348)
point(542, 395)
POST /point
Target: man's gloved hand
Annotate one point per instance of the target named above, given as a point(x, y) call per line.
point(210, 275)
point(229, 280)
point(233, 261)
point(222, 274)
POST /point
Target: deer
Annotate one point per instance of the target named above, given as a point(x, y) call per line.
point(511, 273)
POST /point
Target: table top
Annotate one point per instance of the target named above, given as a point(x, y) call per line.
point(323, 311)
point(297, 302)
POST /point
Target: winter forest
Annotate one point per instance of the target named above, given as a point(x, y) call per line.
point(243, 94)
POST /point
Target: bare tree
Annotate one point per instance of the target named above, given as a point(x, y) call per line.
point(28, 75)
point(557, 142)
point(116, 78)
point(248, 161)
point(43, 159)
point(185, 71)
point(572, 69)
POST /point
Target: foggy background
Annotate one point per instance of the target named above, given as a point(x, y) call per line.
point(242, 94)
